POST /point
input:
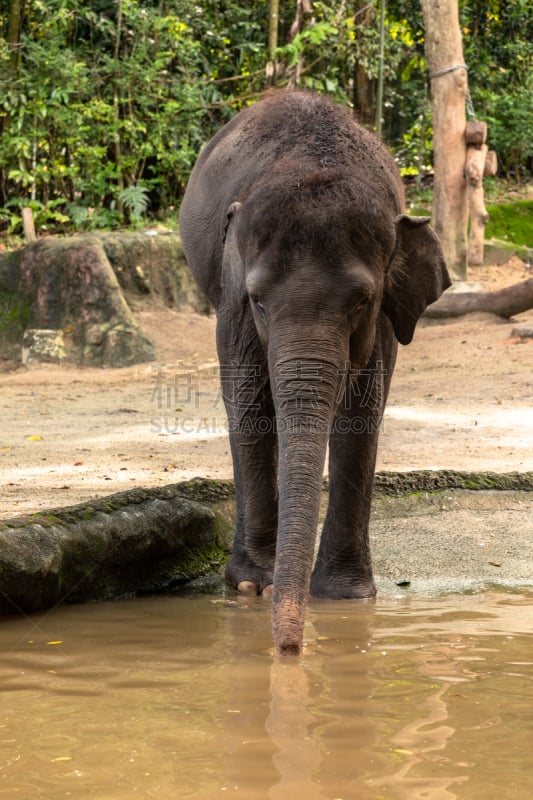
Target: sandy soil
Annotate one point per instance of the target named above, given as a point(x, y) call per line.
point(461, 398)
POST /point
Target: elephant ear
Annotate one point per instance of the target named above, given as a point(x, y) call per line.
point(417, 275)
point(232, 266)
point(233, 209)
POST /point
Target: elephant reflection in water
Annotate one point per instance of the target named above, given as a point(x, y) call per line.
point(290, 726)
point(293, 727)
point(336, 724)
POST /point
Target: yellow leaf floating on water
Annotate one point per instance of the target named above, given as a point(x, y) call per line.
point(34, 438)
point(60, 641)
point(63, 758)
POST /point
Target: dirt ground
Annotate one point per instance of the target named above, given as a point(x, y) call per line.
point(461, 398)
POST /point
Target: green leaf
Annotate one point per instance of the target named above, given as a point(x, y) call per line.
point(135, 199)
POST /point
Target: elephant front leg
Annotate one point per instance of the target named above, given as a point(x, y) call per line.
point(253, 439)
point(250, 567)
point(343, 567)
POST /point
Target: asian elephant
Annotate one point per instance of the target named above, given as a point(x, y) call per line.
point(293, 224)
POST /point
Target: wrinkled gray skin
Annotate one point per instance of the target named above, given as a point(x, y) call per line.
point(292, 224)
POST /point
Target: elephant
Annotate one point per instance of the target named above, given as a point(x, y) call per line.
point(293, 223)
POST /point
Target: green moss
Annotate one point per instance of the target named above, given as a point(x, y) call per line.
point(477, 482)
point(82, 513)
point(224, 528)
point(48, 519)
point(14, 313)
point(416, 482)
point(511, 222)
point(206, 490)
point(201, 562)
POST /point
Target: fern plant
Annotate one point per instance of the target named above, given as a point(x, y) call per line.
point(135, 200)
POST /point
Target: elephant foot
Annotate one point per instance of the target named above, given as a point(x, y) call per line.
point(247, 577)
point(249, 587)
point(335, 588)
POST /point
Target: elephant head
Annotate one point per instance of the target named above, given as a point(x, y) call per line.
point(326, 261)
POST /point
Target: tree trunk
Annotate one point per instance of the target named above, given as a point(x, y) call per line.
point(444, 52)
point(363, 86)
point(379, 100)
point(506, 302)
point(475, 165)
point(273, 19)
point(29, 225)
point(273, 24)
point(15, 20)
point(303, 10)
point(303, 14)
point(14, 33)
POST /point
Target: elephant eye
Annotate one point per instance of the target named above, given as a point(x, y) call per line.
point(259, 305)
point(363, 303)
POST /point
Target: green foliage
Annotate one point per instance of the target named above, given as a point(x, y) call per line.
point(498, 44)
point(498, 48)
point(46, 216)
point(135, 199)
point(89, 218)
point(96, 107)
point(102, 115)
point(512, 222)
point(340, 56)
point(510, 124)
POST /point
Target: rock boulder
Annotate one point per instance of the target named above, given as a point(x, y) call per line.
point(80, 293)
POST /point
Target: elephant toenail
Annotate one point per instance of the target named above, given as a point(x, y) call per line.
point(247, 587)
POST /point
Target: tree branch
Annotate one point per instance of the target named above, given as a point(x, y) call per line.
point(505, 302)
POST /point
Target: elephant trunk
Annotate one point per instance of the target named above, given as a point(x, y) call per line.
point(306, 391)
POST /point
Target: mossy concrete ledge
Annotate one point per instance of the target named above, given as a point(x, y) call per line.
point(135, 541)
point(396, 484)
point(161, 538)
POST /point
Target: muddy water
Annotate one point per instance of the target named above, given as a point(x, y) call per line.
point(178, 697)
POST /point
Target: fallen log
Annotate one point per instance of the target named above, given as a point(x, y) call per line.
point(506, 302)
